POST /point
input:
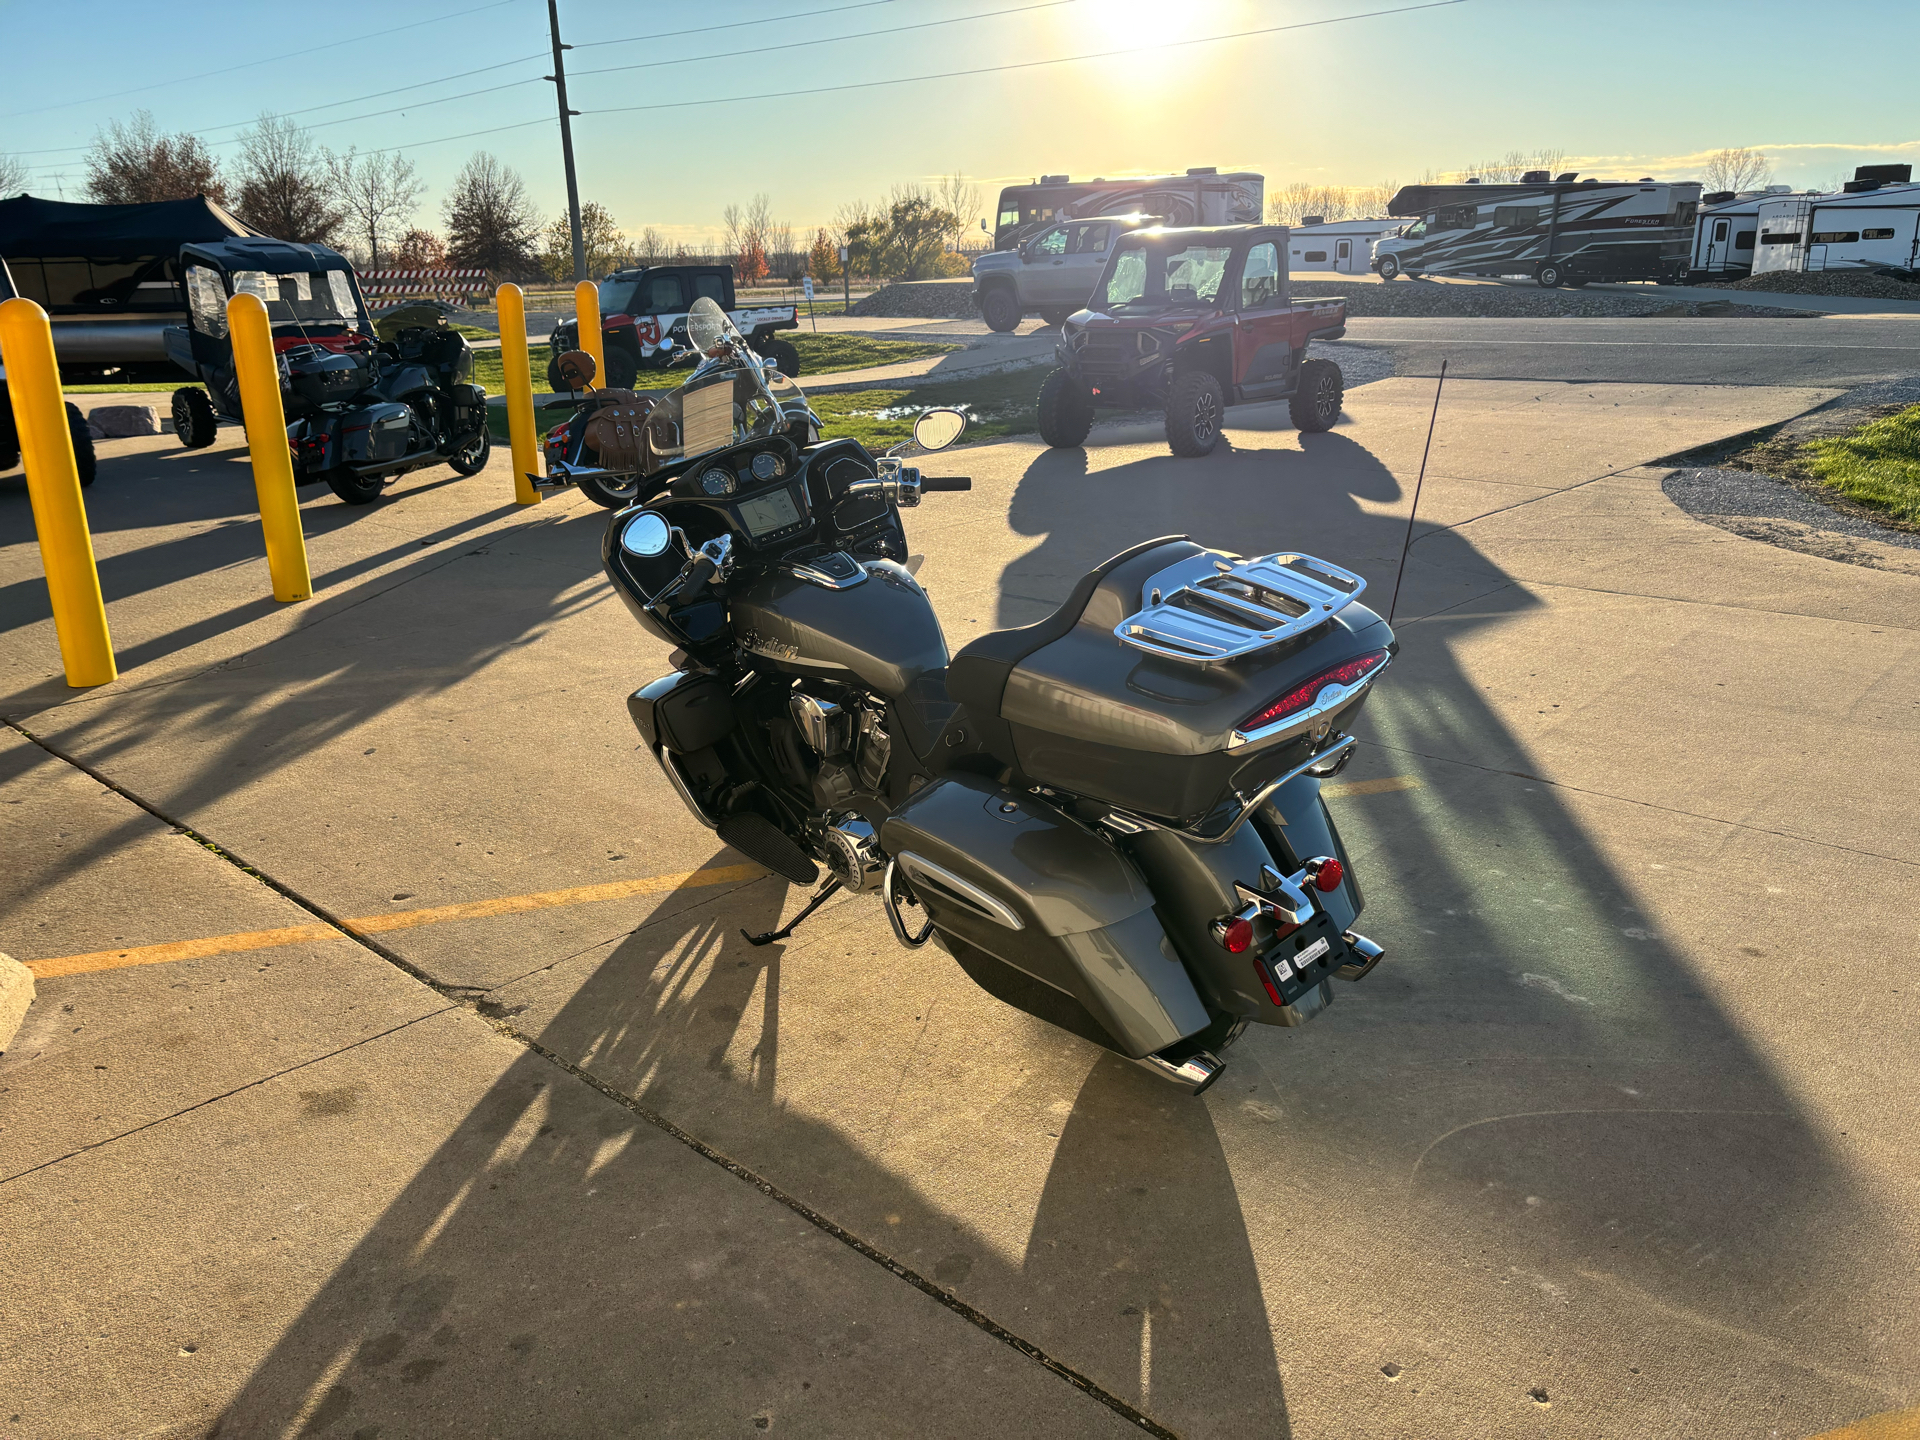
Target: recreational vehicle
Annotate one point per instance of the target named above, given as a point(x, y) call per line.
point(1200, 197)
point(1724, 234)
point(1868, 225)
point(1343, 246)
point(1565, 231)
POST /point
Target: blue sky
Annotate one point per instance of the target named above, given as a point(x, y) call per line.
point(1625, 87)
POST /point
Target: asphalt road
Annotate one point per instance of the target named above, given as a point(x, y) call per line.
point(1838, 351)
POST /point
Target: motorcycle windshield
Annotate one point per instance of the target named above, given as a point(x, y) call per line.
point(733, 395)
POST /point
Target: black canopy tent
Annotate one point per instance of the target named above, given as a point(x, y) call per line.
point(81, 259)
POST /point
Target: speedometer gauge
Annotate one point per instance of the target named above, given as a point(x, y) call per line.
point(717, 482)
point(766, 465)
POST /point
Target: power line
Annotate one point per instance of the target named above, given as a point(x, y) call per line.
point(734, 25)
point(829, 40)
point(1022, 64)
point(267, 60)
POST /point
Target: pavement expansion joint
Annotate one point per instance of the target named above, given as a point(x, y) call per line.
point(211, 1100)
point(847, 1238)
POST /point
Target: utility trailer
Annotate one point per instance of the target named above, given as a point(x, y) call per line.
point(1724, 233)
point(1342, 246)
point(1868, 225)
point(1564, 231)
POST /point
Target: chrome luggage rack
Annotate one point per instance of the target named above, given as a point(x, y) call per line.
point(1243, 607)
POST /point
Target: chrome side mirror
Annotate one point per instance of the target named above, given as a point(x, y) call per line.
point(647, 534)
point(938, 429)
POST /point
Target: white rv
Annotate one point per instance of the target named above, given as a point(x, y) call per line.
point(1868, 225)
point(1562, 232)
point(1724, 234)
point(1343, 246)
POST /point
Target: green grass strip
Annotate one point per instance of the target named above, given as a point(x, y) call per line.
point(1875, 465)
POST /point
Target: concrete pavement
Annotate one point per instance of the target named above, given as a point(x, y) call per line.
point(1618, 1141)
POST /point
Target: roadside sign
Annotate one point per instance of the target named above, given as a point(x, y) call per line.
point(807, 286)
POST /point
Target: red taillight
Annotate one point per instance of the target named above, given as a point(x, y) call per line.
point(1302, 696)
point(1267, 982)
point(1235, 934)
point(1329, 875)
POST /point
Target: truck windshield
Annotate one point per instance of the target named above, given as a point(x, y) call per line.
point(615, 296)
point(1147, 276)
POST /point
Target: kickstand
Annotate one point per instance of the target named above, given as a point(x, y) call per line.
point(767, 938)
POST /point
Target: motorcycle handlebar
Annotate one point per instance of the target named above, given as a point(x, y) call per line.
point(946, 482)
point(698, 574)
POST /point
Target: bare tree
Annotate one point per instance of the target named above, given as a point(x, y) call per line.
point(650, 249)
point(13, 176)
point(282, 185)
point(380, 192)
point(962, 197)
point(1509, 169)
point(491, 221)
point(131, 163)
point(1737, 170)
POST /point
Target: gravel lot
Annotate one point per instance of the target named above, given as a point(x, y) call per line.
point(954, 300)
point(1864, 284)
point(1772, 509)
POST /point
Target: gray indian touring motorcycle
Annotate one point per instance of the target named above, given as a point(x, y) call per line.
point(1111, 819)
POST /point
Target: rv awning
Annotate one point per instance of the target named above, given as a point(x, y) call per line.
point(1426, 199)
point(30, 226)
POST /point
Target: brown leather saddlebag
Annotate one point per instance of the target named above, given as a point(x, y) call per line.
point(616, 428)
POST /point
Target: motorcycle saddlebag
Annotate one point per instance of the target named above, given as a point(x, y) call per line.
point(469, 409)
point(1044, 913)
point(1083, 712)
point(375, 433)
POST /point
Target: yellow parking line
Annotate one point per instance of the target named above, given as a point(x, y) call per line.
point(1372, 788)
point(392, 921)
point(1890, 1424)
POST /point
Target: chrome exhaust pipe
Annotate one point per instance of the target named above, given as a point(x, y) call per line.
point(1196, 1072)
point(1370, 953)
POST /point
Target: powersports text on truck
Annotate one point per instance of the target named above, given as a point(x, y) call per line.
point(642, 307)
point(1188, 322)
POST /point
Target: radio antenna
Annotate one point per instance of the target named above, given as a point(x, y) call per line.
point(1395, 598)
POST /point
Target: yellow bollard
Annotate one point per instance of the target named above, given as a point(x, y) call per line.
point(53, 490)
point(520, 392)
point(587, 313)
point(259, 375)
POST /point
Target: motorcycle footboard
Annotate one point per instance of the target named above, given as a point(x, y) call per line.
point(1005, 875)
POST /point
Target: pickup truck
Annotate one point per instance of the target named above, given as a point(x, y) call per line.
point(641, 307)
point(1051, 274)
point(83, 456)
point(1187, 322)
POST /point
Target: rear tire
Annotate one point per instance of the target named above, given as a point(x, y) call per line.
point(83, 457)
point(1549, 276)
point(1194, 406)
point(193, 418)
point(1316, 402)
point(1390, 267)
point(610, 496)
point(473, 459)
point(1000, 309)
point(785, 357)
point(351, 488)
point(1066, 409)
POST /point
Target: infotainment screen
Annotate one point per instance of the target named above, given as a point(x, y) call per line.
point(764, 514)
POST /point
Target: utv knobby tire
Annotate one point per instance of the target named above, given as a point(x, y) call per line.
point(1066, 409)
point(1194, 406)
point(193, 418)
point(353, 489)
point(473, 459)
point(785, 357)
point(84, 460)
point(622, 369)
point(1316, 401)
point(1001, 309)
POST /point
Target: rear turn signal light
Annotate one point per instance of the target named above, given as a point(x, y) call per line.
point(1347, 673)
point(1327, 873)
point(1234, 935)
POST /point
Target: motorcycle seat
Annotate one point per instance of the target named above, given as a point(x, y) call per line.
point(977, 675)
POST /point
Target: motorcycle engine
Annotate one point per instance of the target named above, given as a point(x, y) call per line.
point(849, 745)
